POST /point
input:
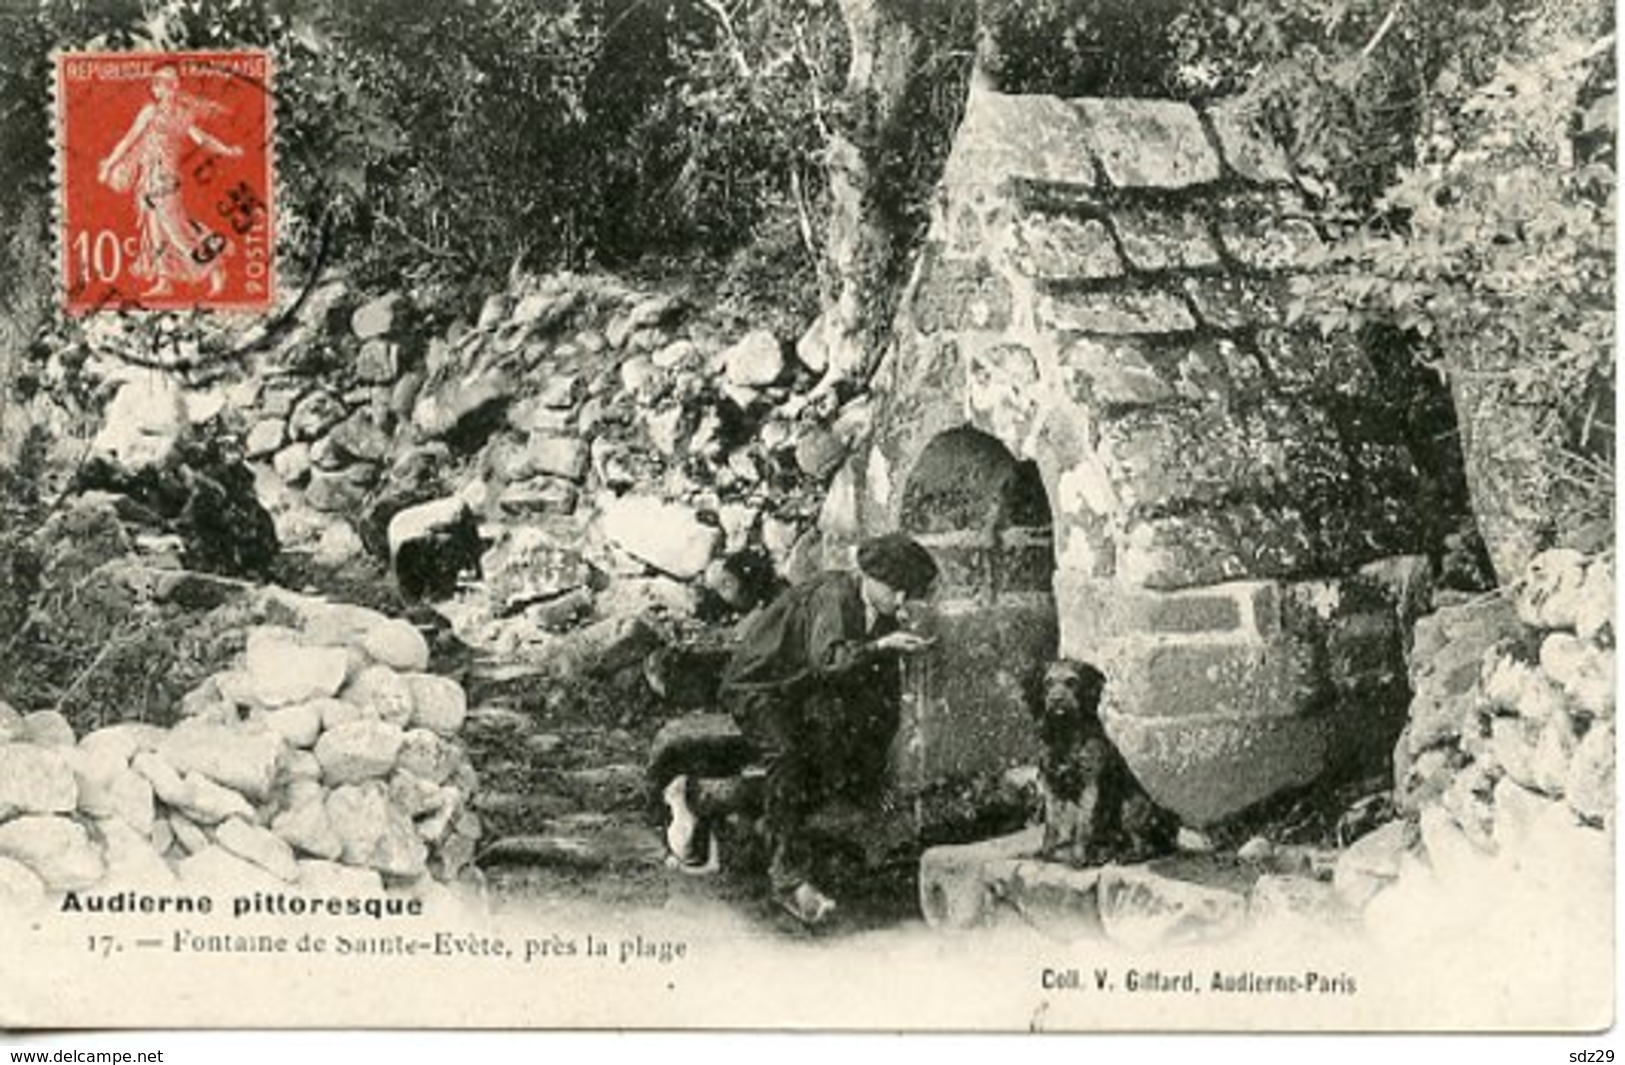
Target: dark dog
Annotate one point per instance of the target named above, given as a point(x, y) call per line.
point(1095, 812)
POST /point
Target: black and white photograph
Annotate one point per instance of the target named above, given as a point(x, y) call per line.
point(997, 516)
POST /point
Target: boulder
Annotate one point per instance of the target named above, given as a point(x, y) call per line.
point(374, 833)
point(1550, 595)
point(397, 644)
point(166, 782)
point(378, 361)
point(340, 491)
point(1584, 670)
point(383, 692)
point(258, 845)
point(293, 463)
point(298, 725)
point(307, 829)
point(359, 751)
point(35, 780)
point(1589, 784)
point(426, 755)
point(558, 456)
point(314, 415)
point(47, 728)
point(209, 803)
point(130, 800)
point(377, 317)
point(755, 360)
point(55, 849)
point(668, 536)
point(438, 703)
point(266, 437)
point(240, 759)
point(1371, 863)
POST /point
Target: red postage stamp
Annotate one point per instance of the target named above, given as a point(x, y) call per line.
point(164, 171)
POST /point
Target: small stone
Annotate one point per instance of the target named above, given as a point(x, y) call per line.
point(259, 846)
point(426, 755)
point(188, 835)
point(378, 362)
point(819, 452)
point(314, 415)
point(376, 317)
point(243, 760)
point(123, 740)
point(47, 728)
point(285, 670)
point(397, 644)
point(1584, 670)
point(56, 849)
point(1551, 593)
point(438, 703)
point(36, 780)
point(1589, 784)
point(166, 782)
point(1594, 615)
point(412, 795)
point(359, 751)
point(374, 833)
point(307, 829)
point(1371, 863)
point(1193, 841)
point(1258, 849)
point(677, 354)
point(209, 803)
point(638, 374)
point(336, 712)
point(299, 724)
point(382, 691)
point(558, 456)
point(755, 360)
point(292, 464)
point(130, 797)
point(265, 437)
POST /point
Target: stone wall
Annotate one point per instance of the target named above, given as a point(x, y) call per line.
point(608, 444)
point(328, 759)
point(1236, 512)
point(1506, 770)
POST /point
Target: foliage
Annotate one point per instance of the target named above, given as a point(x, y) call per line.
point(1495, 251)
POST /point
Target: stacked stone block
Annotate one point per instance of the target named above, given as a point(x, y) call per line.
point(328, 760)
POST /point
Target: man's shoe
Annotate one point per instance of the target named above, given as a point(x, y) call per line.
point(808, 905)
point(691, 848)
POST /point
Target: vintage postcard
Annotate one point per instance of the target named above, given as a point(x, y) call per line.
point(803, 516)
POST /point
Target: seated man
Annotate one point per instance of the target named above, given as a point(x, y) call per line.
point(815, 686)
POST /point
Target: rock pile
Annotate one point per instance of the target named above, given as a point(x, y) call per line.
point(590, 450)
point(328, 759)
point(1506, 770)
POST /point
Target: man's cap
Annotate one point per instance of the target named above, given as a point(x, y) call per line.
point(898, 560)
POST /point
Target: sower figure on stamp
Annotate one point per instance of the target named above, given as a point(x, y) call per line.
point(815, 686)
point(148, 161)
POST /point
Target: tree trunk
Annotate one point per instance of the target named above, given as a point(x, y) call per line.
point(886, 42)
